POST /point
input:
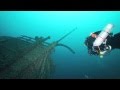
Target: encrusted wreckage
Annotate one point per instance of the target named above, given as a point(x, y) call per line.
point(27, 58)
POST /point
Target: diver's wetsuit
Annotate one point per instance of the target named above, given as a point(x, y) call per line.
point(113, 41)
point(89, 43)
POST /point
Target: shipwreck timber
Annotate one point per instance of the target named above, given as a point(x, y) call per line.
point(27, 58)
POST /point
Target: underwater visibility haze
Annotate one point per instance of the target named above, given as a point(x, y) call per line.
point(50, 45)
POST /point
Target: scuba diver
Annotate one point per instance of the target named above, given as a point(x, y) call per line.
point(102, 42)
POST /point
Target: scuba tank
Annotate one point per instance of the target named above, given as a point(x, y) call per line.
point(103, 35)
point(101, 39)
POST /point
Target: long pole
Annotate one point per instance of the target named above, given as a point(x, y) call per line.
point(66, 35)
